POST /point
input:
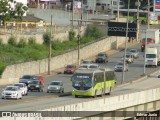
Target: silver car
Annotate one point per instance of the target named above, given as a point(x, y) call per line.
point(128, 58)
point(134, 52)
point(55, 86)
point(119, 67)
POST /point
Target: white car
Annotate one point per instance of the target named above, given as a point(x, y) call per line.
point(13, 92)
point(89, 66)
point(87, 61)
point(23, 87)
point(129, 58)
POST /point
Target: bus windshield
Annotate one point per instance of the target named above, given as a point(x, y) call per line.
point(82, 81)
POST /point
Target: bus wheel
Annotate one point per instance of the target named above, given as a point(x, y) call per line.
point(76, 96)
point(102, 93)
point(110, 91)
point(95, 94)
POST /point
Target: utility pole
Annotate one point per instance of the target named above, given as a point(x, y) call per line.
point(49, 51)
point(148, 14)
point(137, 19)
point(118, 10)
point(144, 67)
point(112, 8)
point(117, 21)
point(124, 58)
point(78, 38)
point(72, 14)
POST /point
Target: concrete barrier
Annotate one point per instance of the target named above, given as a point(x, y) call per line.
point(107, 104)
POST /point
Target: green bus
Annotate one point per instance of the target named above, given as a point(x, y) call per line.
point(92, 82)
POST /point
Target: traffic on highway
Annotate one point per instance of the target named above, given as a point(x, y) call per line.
point(133, 71)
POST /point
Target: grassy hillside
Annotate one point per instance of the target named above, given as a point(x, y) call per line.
point(14, 53)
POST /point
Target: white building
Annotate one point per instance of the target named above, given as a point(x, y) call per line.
point(98, 5)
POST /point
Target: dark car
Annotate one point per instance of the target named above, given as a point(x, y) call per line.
point(35, 85)
point(70, 69)
point(101, 58)
point(26, 79)
point(29, 78)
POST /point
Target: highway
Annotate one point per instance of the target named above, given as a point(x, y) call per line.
point(33, 105)
point(135, 71)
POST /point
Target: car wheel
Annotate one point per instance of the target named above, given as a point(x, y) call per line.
point(26, 93)
point(2, 97)
point(17, 97)
point(47, 91)
point(39, 90)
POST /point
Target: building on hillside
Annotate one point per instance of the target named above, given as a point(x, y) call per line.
point(104, 5)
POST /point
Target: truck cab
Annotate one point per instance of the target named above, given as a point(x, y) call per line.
point(151, 55)
point(146, 41)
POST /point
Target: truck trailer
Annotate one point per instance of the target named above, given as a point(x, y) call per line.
point(150, 36)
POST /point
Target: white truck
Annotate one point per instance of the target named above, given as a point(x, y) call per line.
point(152, 55)
point(150, 36)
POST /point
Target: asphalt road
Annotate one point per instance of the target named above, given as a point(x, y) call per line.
point(135, 71)
point(150, 83)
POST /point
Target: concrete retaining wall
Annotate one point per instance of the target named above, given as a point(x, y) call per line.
point(41, 66)
point(61, 36)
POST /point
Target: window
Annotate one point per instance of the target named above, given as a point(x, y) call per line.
point(150, 55)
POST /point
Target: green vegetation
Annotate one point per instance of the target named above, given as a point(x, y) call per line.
point(22, 51)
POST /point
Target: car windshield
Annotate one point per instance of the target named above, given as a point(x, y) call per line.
point(85, 62)
point(93, 66)
point(69, 66)
point(119, 63)
point(34, 82)
point(81, 81)
point(55, 83)
point(11, 88)
point(83, 66)
point(127, 56)
point(133, 51)
point(20, 85)
point(101, 55)
point(27, 77)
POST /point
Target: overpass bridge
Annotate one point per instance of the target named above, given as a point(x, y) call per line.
point(125, 102)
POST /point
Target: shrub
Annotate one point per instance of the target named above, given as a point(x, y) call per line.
point(1, 41)
point(2, 67)
point(12, 41)
point(93, 31)
point(71, 35)
point(22, 42)
point(31, 40)
point(46, 37)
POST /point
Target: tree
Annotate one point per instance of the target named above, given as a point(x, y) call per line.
point(132, 3)
point(11, 10)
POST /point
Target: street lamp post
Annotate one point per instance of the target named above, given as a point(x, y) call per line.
point(49, 51)
point(137, 18)
point(148, 13)
point(72, 14)
point(144, 67)
point(124, 58)
point(78, 38)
